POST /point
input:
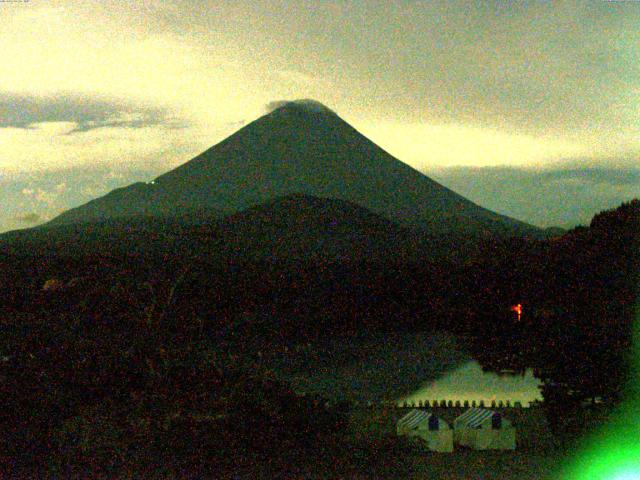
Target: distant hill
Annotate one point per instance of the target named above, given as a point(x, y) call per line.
point(299, 148)
point(305, 227)
point(291, 228)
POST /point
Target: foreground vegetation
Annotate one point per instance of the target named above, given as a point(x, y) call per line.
point(140, 365)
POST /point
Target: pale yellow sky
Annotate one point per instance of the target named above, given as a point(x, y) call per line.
point(216, 72)
point(148, 85)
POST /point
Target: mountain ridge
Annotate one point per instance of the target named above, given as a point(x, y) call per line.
point(300, 148)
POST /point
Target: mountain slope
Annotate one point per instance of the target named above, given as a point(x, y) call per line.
point(305, 227)
point(295, 227)
point(302, 147)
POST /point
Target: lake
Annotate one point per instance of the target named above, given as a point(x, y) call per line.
point(469, 382)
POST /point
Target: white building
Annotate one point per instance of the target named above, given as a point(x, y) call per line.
point(483, 429)
point(427, 426)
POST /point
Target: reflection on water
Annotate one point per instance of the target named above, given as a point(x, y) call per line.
point(370, 367)
point(470, 383)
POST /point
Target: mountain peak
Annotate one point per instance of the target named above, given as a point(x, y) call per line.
point(306, 105)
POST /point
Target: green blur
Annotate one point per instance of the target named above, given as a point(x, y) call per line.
point(613, 453)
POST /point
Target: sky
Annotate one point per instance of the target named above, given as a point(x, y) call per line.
point(531, 109)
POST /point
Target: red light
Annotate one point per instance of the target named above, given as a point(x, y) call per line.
point(518, 309)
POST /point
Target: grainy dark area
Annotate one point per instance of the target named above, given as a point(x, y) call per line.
point(147, 363)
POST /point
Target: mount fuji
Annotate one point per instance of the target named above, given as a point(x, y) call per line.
point(300, 148)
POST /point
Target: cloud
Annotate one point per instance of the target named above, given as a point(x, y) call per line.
point(550, 196)
point(60, 146)
point(276, 104)
point(305, 103)
point(427, 145)
point(594, 175)
point(29, 218)
point(48, 193)
point(83, 114)
point(47, 197)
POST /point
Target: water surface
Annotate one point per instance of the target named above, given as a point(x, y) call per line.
point(469, 382)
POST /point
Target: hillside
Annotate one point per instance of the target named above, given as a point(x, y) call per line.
point(291, 228)
point(310, 228)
